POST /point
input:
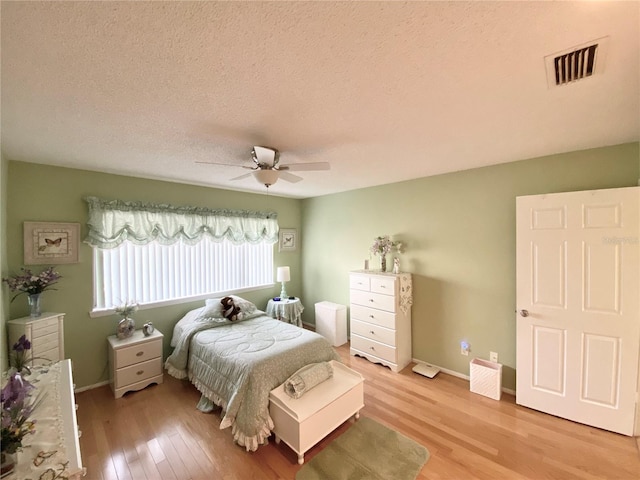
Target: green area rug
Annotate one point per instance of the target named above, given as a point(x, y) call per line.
point(368, 450)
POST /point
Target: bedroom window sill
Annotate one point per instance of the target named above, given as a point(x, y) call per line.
point(97, 313)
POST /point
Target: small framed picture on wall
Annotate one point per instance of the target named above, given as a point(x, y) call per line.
point(288, 240)
point(51, 243)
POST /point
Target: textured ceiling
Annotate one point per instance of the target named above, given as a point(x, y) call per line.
point(384, 91)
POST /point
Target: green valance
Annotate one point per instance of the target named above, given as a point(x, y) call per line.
point(112, 222)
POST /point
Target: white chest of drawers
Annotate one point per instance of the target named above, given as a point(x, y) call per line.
point(46, 334)
point(135, 362)
point(380, 317)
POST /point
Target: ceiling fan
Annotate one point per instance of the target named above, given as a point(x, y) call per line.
point(267, 169)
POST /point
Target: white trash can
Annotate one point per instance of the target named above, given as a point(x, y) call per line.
point(331, 322)
point(486, 378)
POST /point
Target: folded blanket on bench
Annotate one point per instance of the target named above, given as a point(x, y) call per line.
point(306, 378)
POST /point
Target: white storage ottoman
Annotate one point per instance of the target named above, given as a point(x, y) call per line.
point(331, 322)
point(303, 422)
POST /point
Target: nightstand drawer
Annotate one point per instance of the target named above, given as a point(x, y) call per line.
point(138, 353)
point(48, 356)
point(374, 332)
point(42, 344)
point(138, 372)
point(41, 331)
point(374, 348)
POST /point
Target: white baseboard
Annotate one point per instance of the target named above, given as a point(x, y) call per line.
point(453, 373)
point(91, 387)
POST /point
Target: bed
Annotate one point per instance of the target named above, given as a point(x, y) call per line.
point(236, 364)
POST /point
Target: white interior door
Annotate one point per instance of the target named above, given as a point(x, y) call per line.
point(578, 318)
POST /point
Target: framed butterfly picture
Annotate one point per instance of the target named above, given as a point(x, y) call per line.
point(51, 243)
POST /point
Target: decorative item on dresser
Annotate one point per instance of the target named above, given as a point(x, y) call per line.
point(380, 317)
point(45, 333)
point(135, 362)
point(127, 325)
point(33, 286)
point(382, 246)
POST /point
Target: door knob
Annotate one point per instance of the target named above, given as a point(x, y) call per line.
point(524, 313)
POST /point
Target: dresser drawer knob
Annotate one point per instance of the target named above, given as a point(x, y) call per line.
point(371, 300)
point(139, 372)
point(371, 316)
point(372, 332)
point(139, 354)
point(372, 348)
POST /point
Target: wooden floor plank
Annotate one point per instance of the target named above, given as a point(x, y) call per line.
point(158, 434)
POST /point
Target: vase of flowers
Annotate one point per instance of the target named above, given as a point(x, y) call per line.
point(17, 407)
point(127, 325)
point(32, 285)
point(382, 246)
point(19, 358)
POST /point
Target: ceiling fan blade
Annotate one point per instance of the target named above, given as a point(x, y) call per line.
point(310, 166)
point(289, 177)
point(241, 176)
point(227, 165)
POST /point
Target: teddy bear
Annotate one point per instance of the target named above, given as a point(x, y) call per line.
point(230, 310)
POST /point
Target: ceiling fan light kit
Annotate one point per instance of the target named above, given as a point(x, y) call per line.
point(266, 177)
point(267, 169)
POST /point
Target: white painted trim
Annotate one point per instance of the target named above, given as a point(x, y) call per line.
point(91, 387)
point(178, 301)
point(453, 373)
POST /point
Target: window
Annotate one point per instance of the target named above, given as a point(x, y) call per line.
point(151, 254)
point(154, 273)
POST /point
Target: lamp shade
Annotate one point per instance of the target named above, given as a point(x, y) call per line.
point(266, 177)
point(283, 274)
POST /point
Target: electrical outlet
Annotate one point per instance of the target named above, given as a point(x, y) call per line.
point(464, 348)
point(493, 356)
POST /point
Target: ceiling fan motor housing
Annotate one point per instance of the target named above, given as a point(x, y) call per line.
point(265, 156)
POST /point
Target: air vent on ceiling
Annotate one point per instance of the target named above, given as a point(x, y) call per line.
point(576, 63)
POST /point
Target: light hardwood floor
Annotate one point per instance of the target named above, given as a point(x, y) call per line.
point(157, 433)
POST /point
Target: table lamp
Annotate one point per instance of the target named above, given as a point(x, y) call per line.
point(283, 275)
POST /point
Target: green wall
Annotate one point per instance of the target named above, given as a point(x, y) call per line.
point(4, 303)
point(459, 232)
point(45, 193)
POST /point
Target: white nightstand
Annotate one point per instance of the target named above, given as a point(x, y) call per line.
point(135, 362)
point(46, 334)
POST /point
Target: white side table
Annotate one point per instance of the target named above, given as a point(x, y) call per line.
point(46, 334)
point(286, 310)
point(135, 362)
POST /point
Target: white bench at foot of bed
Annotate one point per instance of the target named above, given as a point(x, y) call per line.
point(303, 422)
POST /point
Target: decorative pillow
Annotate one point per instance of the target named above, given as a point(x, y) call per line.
point(213, 307)
point(230, 310)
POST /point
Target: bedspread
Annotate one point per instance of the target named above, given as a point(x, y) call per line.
point(236, 365)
